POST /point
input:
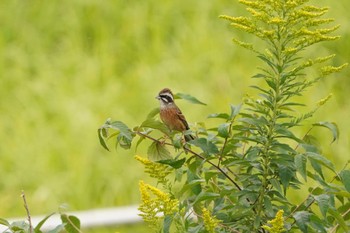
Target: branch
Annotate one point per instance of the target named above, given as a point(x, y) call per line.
point(28, 213)
point(337, 225)
point(197, 155)
point(308, 196)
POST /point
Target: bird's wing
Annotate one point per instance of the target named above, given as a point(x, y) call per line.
point(182, 118)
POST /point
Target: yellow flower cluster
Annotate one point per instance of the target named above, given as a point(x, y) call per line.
point(277, 225)
point(155, 204)
point(155, 170)
point(324, 100)
point(210, 222)
point(326, 70)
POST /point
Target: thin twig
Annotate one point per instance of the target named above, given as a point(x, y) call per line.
point(197, 155)
point(28, 213)
point(337, 225)
point(308, 196)
point(225, 143)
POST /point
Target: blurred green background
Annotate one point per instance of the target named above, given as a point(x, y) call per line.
point(68, 65)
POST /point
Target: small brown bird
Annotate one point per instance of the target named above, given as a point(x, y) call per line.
point(170, 114)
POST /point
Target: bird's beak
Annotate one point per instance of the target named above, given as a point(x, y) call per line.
point(157, 97)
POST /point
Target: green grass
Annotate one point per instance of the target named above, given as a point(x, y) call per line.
point(66, 66)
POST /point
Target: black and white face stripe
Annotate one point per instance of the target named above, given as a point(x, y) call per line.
point(166, 97)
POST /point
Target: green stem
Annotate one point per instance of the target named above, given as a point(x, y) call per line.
point(265, 154)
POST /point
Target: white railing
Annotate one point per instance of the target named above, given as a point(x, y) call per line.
point(89, 218)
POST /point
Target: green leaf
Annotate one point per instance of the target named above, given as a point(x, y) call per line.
point(286, 174)
point(345, 178)
point(41, 223)
point(4, 222)
point(206, 196)
point(300, 164)
point(153, 113)
point(176, 164)
point(317, 167)
point(275, 183)
point(219, 115)
point(72, 223)
point(302, 219)
point(283, 132)
point(194, 185)
point(102, 138)
point(125, 135)
point(339, 218)
point(189, 98)
point(19, 227)
point(331, 126)
point(168, 219)
point(323, 201)
point(317, 224)
point(123, 129)
point(209, 174)
point(235, 110)
point(223, 130)
point(155, 124)
point(139, 142)
point(207, 147)
point(157, 151)
point(57, 229)
point(321, 160)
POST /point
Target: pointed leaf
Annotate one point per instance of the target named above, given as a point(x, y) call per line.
point(345, 178)
point(41, 223)
point(4, 222)
point(302, 219)
point(323, 201)
point(331, 126)
point(153, 113)
point(276, 184)
point(206, 196)
point(235, 110)
point(157, 151)
point(283, 132)
point(207, 146)
point(219, 115)
point(139, 142)
point(173, 162)
point(155, 124)
point(101, 138)
point(189, 98)
point(317, 224)
point(123, 129)
point(286, 174)
point(223, 130)
point(321, 160)
point(317, 167)
point(168, 219)
point(339, 218)
point(72, 223)
point(57, 229)
point(300, 164)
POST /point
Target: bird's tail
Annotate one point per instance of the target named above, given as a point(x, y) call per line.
point(189, 137)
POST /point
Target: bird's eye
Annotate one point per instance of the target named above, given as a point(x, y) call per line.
point(166, 98)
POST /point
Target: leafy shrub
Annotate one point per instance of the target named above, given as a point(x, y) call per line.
point(236, 177)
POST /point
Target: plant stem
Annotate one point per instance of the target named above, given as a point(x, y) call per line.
point(28, 213)
point(197, 155)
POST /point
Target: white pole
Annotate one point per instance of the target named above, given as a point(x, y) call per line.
point(89, 218)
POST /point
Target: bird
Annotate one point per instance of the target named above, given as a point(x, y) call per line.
point(170, 114)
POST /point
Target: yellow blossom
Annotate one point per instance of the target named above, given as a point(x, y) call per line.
point(155, 170)
point(155, 204)
point(324, 100)
point(276, 224)
point(326, 70)
point(210, 222)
